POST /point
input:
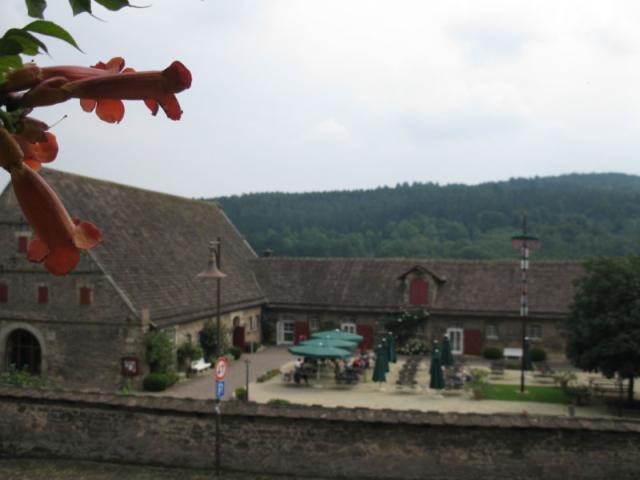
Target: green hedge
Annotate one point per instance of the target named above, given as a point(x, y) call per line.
point(157, 381)
point(492, 353)
point(236, 352)
point(538, 355)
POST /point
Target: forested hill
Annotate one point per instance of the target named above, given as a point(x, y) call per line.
point(575, 216)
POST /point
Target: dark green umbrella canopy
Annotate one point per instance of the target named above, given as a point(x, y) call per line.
point(337, 335)
point(319, 351)
point(344, 344)
point(385, 348)
point(391, 348)
point(527, 355)
point(380, 368)
point(447, 356)
point(437, 379)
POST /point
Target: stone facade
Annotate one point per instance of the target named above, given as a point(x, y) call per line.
point(311, 441)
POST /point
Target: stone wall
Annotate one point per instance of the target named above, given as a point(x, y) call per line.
point(315, 441)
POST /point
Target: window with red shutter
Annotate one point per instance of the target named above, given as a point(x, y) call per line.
point(85, 296)
point(4, 293)
point(43, 295)
point(418, 292)
point(23, 243)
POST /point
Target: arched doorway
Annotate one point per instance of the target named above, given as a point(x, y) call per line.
point(23, 351)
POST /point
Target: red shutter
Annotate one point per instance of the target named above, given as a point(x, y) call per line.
point(43, 295)
point(472, 342)
point(85, 296)
point(367, 336)
point(238, 337)
point(301, 332)
point(23, 244)
point(418, 292)
point(4, 293)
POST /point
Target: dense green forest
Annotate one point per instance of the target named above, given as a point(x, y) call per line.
point(575, 216)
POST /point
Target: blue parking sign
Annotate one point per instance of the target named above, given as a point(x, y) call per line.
point(219, 388)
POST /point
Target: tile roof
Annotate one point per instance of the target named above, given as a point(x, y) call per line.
point(155, 244)
point(365, 283)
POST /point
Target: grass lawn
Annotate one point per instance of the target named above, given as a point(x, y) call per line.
point(533, 393)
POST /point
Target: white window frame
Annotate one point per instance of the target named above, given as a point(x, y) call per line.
point(452, 333)
point(349, 327)
point(491, 331)
point(534, 331)
point(314, 324)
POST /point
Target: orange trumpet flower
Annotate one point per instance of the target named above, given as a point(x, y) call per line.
point(58, 238)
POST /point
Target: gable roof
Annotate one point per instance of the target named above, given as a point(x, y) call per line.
point(155, 244)
point(473, 287)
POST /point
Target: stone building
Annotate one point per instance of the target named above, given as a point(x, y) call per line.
point(476, 302)
point(86, 329)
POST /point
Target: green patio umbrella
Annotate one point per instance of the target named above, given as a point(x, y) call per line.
point(391, 348)
point(379, 370)
point(337, 335)
point(344, 344)
point(319, 351)
point(447, 357)
point(435, 371)
point(527, 355)
point(385, 348)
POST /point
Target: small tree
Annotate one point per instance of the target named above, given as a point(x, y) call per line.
point(406, 325)
point(604, 322)
point(187, 352)
point(208, 338)
point(160, 352)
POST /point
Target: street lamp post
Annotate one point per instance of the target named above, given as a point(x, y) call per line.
point(524, 243)
point(213, 271)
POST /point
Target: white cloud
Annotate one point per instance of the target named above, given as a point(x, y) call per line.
point(329, 131)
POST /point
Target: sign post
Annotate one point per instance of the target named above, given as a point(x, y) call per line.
point(220, 373)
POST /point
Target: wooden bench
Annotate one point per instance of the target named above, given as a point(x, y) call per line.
point(200, 365)
point(510, 353)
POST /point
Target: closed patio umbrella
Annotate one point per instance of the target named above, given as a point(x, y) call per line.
point(379, 370)
point(437, 379)
point(391, 348)
point(447, 356)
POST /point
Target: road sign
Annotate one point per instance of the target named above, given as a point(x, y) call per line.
point(221, 368)
point(219, 388)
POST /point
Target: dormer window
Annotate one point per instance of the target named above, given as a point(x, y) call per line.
point(418, 290)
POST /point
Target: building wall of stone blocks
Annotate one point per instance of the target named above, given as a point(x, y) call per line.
point(301, 440)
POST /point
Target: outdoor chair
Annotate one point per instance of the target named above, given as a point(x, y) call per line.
point(497, 368)
point(544, 369)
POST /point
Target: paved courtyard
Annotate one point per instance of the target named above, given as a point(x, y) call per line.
point(368, 394)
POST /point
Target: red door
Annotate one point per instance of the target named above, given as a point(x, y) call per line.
point(238, 337)
point(367, 336)
point(472, 342)
point(301, 332)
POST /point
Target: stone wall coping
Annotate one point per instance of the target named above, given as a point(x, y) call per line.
point(190, 406)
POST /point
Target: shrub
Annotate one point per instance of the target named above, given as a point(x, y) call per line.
point(268, 376)
point(236, 352)
point(188, 352)
point(413, 346)
point(492, 353)
point(278, 401)
point(241, 393)
point(159, 381)
point(208, 337)
point(406, 325)
point(159, 351)
point(478, 383)
point(22, 378)
point(538, 355)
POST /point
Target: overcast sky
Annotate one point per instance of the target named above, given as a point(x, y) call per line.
point(322, 95)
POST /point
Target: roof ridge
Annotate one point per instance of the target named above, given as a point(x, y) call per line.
point(113, 183)
point(420, 260)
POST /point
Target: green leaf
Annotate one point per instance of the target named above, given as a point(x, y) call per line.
point(45, 27)
point(35, 8)
point(8, 62)
point(30, 44)
point(114, 4)
point(9, 46)
point(80, 6)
